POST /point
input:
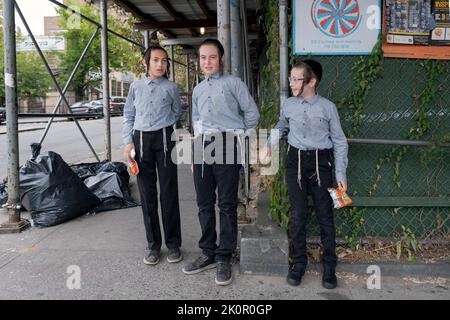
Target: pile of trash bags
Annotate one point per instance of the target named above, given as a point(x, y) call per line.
point(55, 192)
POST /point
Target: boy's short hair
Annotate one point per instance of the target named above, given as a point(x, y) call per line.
point(215, 43)
point(313, 68)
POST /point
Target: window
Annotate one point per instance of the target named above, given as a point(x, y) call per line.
point(126, 88)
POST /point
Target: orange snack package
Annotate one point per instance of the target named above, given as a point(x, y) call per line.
point(340, 198)
point(133, 167)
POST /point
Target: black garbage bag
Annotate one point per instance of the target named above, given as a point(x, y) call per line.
point(109, 181)
point(53, 192)
point(3, 192)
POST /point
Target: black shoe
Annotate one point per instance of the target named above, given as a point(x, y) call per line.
point(295, 274)
point(329, 280)
point(223, 274)
point(174, 255)
point(152, 258)
point(202, 263)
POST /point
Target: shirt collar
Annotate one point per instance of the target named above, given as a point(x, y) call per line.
point(156, 81)
point(311, 101)
point(216, 75)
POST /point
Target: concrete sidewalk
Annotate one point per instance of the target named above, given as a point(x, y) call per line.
point(107, 249)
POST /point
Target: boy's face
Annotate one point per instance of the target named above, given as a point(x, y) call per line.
point(157, 64)
point(209, 59)
point(296, 81)
point(298, 85)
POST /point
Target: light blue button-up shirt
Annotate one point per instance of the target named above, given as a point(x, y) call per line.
point(314, 124)
point(222, 102)
point(151, 105)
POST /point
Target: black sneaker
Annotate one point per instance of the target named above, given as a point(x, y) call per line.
point(152, 258)
point(174, 255)
point(202, 263)
point(223, 274)
point(329, 280)
point(295, 274)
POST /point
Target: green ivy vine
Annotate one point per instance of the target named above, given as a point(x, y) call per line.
point(367, 70)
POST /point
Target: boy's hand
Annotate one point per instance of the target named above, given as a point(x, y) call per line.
point(127, 151)
point(264, 154)
point(343, 186)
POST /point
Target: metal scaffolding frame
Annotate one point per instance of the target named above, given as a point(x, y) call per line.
point(15, 223)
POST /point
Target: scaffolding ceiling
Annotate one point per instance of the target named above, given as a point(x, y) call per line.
point(180, 18)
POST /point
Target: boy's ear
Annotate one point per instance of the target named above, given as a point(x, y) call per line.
point(312, 82)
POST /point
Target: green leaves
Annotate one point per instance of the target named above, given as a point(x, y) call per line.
point(123, 56)
point(407, 244)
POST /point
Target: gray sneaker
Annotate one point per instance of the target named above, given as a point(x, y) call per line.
point(223, 275)
point(174, 255)
point(152, 258)
point(202, 263)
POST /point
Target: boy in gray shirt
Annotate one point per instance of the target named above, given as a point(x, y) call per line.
point(315, 138)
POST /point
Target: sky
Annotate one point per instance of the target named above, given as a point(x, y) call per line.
point(34, 12)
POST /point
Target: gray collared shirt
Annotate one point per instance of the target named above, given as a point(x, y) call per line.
point(314, 124)
point(151, 105)
point(222, 102)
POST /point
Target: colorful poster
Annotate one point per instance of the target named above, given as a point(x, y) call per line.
point(335, 27)
point(441, 33)
point(408, 21)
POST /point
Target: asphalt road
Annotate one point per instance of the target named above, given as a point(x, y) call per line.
point(64, 138)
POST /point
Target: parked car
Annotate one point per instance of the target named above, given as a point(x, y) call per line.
point(90, 107)
point(2, 114)
point(116, 105)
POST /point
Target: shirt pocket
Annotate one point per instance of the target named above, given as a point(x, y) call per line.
point(162, 102)
point(319, 123)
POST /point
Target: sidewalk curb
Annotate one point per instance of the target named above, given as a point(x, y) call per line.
point(265, 250)
point(25, 130)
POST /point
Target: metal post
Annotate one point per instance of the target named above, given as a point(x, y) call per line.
point(197, 71)
point(188, 75)
point(284, 85)
point(236, 38)
point(172, 63)
point(146, 35)
point(105, 73)
point(248, 76)
point(14, 224)
point(49, 70)
point(223, 31)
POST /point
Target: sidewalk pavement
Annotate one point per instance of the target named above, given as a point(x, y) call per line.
point(106, 251)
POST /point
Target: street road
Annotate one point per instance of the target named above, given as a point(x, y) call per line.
point(65, 138)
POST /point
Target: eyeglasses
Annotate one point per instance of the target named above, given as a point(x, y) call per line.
point(295, 80)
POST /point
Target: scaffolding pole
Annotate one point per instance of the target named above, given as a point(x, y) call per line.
point(223, 31)
point(284, 52)
point(53, 77)
point(105, 73)
point(15, 223)
point(236, 38)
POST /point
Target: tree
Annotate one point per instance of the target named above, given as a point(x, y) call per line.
point(33, 80)
point(123, 56)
